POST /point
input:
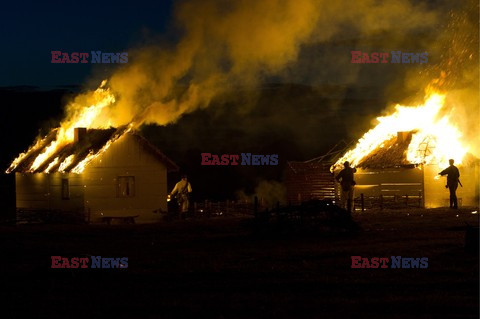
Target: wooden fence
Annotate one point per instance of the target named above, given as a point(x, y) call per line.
point(383, 201)
point(209, 208)
point(247, 208)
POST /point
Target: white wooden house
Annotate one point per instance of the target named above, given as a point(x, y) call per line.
point(127, 178)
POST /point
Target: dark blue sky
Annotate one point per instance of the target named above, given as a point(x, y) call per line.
point(30, 30)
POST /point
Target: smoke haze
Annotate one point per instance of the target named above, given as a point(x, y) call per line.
point(226, 44)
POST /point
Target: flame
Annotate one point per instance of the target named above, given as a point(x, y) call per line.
point(40, 159)
point(66, 163)
point(435, 138)
point(52, 164)
point(22, 156)
point(81, 166)
point(91, 156)
point(79, 115)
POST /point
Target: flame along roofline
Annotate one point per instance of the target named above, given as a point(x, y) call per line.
point(74, 157)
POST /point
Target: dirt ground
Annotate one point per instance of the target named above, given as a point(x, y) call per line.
point(220, 268)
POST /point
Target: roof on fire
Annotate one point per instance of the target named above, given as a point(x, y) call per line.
point(93, 141)
point(392, 153)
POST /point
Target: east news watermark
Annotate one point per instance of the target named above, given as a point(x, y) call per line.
point(98, 262)
point(392, 57)
point(92, 57)
point(386, 262)
point(239, 159)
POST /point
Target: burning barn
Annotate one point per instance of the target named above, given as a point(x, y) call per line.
point(100, 174)
point(403, 154)
point(386, 172)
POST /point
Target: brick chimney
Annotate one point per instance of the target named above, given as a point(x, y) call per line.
point(79, 134)
point(402, 137)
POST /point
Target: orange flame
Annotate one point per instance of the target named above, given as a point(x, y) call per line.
point(91, 156)
point(435, 139)
point(88, 116)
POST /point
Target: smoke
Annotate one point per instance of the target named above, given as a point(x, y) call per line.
point(456, 72)
point(227, 44)
point(462, 74)
point(268, 192)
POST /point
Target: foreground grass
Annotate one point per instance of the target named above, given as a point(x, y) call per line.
point(217, 268)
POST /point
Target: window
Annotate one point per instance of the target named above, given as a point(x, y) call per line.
point(65, 189)
point(125, 186)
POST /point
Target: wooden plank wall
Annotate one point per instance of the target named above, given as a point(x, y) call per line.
point(41, 191)
point(306, 181)
point(389, 182)
point(126, 157)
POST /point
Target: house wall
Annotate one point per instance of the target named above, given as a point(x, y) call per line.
point(412, 181)
point(436, 195)
point(32, 191)
point(42, 191)
point(306, 181)
point(125, 157)
point(389, 182)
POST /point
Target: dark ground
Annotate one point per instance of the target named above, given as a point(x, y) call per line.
point(216, 268)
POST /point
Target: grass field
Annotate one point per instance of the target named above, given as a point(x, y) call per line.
point(219, 268)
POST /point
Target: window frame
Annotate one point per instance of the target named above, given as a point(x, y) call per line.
point(129, 182)
point(65, 189)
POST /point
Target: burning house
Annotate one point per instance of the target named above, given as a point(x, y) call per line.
point(402, 156)
point(386, 172)
point(100, 174)
point(87, 168)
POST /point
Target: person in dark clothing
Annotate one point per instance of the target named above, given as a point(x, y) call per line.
point(345, 178)
point(453, 178)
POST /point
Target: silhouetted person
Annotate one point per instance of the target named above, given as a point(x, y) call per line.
point(453, 177)
point(345, 177)
point(182, 189)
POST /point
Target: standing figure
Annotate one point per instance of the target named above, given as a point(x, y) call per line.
point(345, 177)
point(453, 178)
point(182, 189)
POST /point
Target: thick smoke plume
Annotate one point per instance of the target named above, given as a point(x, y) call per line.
point(226, 44)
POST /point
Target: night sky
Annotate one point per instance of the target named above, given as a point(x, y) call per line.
point(32, 29)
